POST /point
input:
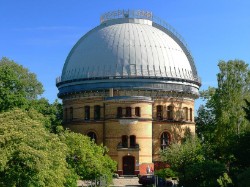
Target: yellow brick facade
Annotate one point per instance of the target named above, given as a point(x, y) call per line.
point(146, 128)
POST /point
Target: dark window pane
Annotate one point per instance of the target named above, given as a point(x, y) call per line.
point(66, 114)
point(138, 111)
point(170, 112)
point(128, 112)
point(87, 112)
point(165, 138)
point(132, 141)
point(186, 114)
point(119, 112)
point(71, 113)
point(159, 112)
point(191, 114)
point(125, 141)
point(92, 136)
point(97, 112)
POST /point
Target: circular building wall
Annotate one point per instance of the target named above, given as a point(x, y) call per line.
point(130, 83)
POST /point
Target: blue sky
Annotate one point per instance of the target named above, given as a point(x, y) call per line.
point(39, 34)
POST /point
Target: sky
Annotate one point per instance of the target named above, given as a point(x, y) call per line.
point(39, 34)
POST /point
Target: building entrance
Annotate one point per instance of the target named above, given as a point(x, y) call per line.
point(128, 165)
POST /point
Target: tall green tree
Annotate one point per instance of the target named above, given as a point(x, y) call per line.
point(52, 112)
point(18, 85)
point(225, 103)
point(233, 88)
point(30, 155)
point(89, 160)
point(192, 165)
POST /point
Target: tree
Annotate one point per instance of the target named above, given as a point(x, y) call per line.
point(225, 104)
point(52, 112)
point(181, 156)
point(233, 88)
point(30, 155)
point(193, 167)
point(205, 123)
point(18, 86)
point(89, 160)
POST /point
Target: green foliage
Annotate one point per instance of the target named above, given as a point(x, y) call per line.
point(244, 178)
point(17, 85)
point(224, 180)
point(204, 173)
point(88, 159)
point(182, 156)
point(205, 123)
point(233, 88)
point(221, 122)
point(192, 165)
point(30, 155)
point(165, 173)
point(52, 113)
point(223, 115)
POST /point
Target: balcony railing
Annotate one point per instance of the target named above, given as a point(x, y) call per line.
point(135, 146)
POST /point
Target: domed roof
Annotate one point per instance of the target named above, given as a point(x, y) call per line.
point(131, 44)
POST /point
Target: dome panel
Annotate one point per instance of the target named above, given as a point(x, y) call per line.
point(122, 53)
point(126, 49)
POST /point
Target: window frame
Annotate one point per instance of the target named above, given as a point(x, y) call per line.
point(164, 141)
point(94, 136)
point(71, 114)
point(138, 111)
point(97, 112)
point(170, 112)
point(119, 112)
point(124, 141)
point(128, 112)
point(159, 112)
point(87, 112)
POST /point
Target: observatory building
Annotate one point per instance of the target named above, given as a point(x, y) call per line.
point(130, 84)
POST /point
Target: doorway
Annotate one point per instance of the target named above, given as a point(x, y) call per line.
point(128, 165)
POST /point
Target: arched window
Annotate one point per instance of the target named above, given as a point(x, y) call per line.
point(97, 112)
point(71, 114)
point(185, 111)
point(191, 114)
point(65, 114)
point(165, 140)
point(170, 112)
point(138, 111)
point(87, 112)
point(119, 112)
point(128, 112)
point(132, 141)
point(92, 136)
point(125, 141)
point(159, 112)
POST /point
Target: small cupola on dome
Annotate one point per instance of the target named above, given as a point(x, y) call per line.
point(130, 49)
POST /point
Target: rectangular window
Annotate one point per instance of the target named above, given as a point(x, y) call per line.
point(132, 141)
point(186, 114)
point(119, 112)
point(159, 112)
point(97, 112)
point(87, 112)
point(124, 141)
point(128, 112)
point(170, 112)
point(191, 114)
point(138, 111)
point(71, 114)
point(65, 114)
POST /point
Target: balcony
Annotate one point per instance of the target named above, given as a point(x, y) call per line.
point(121, 146)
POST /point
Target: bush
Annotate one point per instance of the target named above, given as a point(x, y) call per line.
point(165, 173)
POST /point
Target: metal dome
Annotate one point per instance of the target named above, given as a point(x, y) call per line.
point(129, 44)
